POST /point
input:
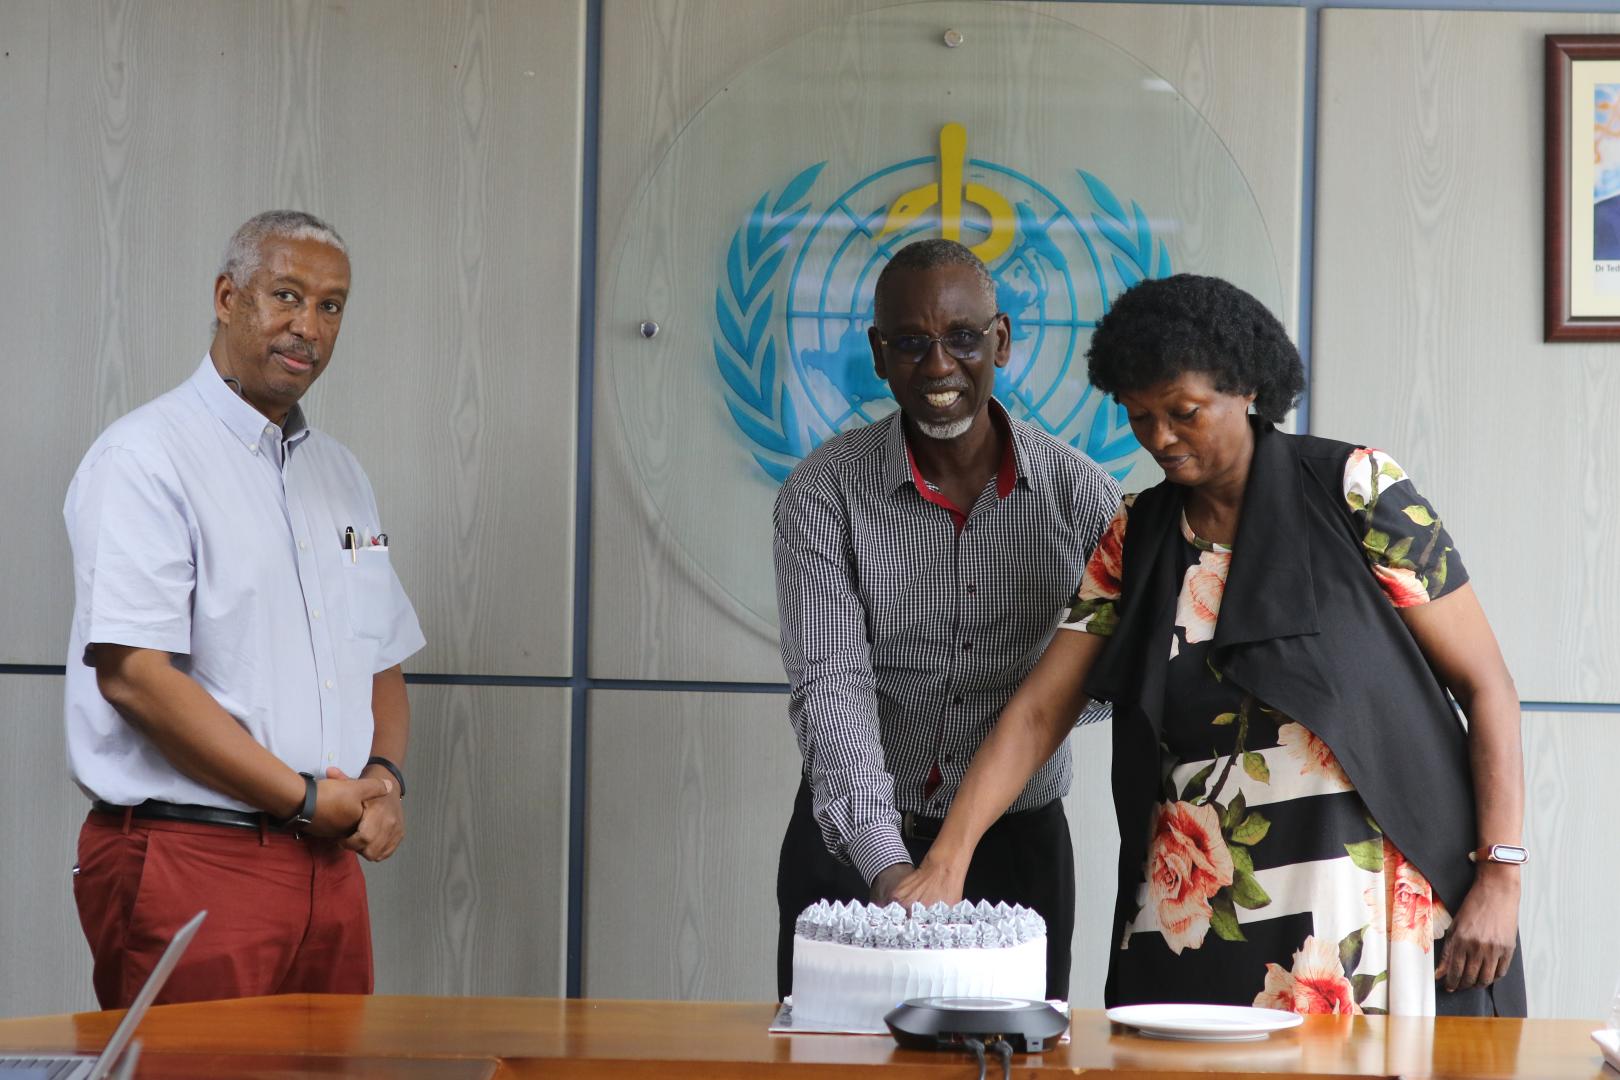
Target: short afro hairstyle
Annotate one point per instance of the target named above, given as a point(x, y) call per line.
point(1159, 328)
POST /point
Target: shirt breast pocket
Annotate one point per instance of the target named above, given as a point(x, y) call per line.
point(370, 593)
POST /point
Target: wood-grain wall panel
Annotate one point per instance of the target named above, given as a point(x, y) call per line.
point(688, 795)
point(1428, 323)
point(660, 616)
point(1257, 107)
point(43, 809)
point(658, 613)
point(1090, 809)
point(476, 901)
point(1571, 949)
point(443, 139)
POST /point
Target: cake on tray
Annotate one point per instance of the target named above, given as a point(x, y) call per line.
point(854, 962)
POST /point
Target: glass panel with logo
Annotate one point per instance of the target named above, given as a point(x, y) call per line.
point(734, 333)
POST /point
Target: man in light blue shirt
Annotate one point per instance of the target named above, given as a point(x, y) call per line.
point(235, 706)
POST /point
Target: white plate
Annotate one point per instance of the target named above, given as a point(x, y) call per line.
point(1211, 1023)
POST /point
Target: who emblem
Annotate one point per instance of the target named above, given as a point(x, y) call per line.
point(793, 308)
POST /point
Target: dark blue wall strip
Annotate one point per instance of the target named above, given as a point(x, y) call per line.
point(690, 686)
point(427, 679)
point(578, 727)
point(1307, 212)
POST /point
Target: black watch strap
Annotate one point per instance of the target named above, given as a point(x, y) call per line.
point(399, 777)
point(305, 813)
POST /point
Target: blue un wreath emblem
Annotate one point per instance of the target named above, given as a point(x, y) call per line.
point(793, 308)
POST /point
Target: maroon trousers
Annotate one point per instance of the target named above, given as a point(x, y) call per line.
point(286, 914)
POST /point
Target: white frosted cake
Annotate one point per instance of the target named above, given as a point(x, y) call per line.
point(854, 962)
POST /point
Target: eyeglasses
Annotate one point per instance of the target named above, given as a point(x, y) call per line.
point(962, 344)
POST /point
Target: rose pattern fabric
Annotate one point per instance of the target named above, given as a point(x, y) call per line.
point(1315, 984)
point(1188, 863)
point(1312, 754)
point(1404, 541)
point(1403, 538)
point(1408, 902)
point(1105, 568)
point(1199, 604)
point(1403, 587)
point(1258, 825)
point(1096, 602)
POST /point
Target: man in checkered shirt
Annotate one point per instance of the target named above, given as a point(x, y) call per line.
point(922, 564)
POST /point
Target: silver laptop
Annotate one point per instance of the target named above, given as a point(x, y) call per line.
point(14, 1066)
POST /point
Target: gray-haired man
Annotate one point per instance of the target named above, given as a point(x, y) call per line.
point(235, 707)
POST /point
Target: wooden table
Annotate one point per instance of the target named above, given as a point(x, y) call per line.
point(423, 1038)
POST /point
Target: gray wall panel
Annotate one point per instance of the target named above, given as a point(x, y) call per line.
point(39, 924)
point(443, 140)
point(1090, 809)
point(688, 796)
point(475, 902)
point(1566, 915)
point(658, 614)
point(1256, 103)
point(1428, 323)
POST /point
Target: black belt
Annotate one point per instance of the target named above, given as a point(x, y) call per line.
point(168, 811)
point(917, 827)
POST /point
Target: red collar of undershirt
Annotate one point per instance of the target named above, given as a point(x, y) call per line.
point(1006, 477)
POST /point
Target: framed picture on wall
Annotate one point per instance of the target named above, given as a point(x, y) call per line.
point(1583, 188)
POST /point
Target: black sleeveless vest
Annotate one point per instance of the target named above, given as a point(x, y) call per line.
point(1307, 629)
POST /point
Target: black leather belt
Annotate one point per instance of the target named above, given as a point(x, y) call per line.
point(167, 811)
point(916, 827)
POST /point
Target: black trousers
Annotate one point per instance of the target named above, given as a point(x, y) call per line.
point(1025, 858)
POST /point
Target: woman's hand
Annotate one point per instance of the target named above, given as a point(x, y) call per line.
point(1027, 733)
point(1458, 643)
point(928, 883)
point(1478, 948)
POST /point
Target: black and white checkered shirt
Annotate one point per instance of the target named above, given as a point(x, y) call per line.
point(903, 639)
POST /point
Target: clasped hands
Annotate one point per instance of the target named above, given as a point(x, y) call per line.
point(365, 812)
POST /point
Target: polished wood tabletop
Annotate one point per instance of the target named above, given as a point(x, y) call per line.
point(428, 1038)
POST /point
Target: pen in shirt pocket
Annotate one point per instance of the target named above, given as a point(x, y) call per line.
point(351, 543)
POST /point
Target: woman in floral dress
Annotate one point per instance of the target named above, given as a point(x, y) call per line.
point(1304, 823)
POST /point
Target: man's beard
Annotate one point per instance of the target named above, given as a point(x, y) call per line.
point(955, 429)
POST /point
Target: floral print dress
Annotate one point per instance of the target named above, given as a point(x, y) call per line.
point(1267, 881)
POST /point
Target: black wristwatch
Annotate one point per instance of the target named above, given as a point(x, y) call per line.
point(399, 777)
point(305, 813)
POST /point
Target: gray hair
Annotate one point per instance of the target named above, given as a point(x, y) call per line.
point(932, 254)
point(243, 255)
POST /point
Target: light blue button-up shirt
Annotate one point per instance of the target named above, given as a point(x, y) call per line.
point(202, 529)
